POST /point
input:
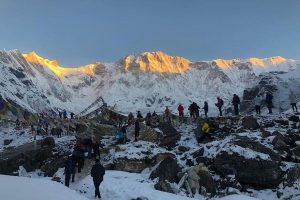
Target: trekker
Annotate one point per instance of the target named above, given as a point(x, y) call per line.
point(120, 136)
point(60, 114)
point(219, 104)
point(236, 101)
point(205, 107)
point(269, 99)
point(148, 119)
point(167, 114)
point(180, 110)
point(196, 110)
point(96, 150)
point(136, 130)
point(65, 114)
point(139, 116)
point(68, 170)
point(130, 119)
point(72, 115)
point(293, 100)
point(97, 173)
point(154, 119)
point(205, 131)
point(257, 103)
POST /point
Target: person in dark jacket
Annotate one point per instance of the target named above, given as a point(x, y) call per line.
point(65, 114)
point(97, 173)
point(148, 119)
point(60, 114)
point(69, 170)
point(136, 130)
point(269, 99)
point(205, 108)
point(219, 104)
point(72, 115)
point(236, 101)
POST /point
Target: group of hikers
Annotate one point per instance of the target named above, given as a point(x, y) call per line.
point(75, 162)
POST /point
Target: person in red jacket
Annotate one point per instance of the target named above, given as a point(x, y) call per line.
point(180, 110)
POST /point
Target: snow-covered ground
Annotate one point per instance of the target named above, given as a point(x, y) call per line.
point(117, 185)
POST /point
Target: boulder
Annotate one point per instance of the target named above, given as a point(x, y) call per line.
point(294, 118)
point(265, 133)
point(183, 149)
point(161, 156)
point(293, 175)
point(132, 165)
point(281, 145)
point(101, 130)
point(170, 136)
point(296, 151)
point(258, 173)
point(52, 165)
point(250, 122)
point(48, 142)
point(198, 152)
point(166, 170)
point(29, 156)
point(164, 186)
point(279, 137)
point(282, 122)
point(206, 179)
point(7, 141)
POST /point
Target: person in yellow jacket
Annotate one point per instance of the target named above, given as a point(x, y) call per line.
point(205, 131)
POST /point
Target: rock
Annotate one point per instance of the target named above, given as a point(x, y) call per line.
point(296, 151)
point(279, 137)
point(250, 122)
point(28, 156)
point(229, 182)
point(258, 173)
point(281, 145)
point(206, 180)
point(166, 170)
point(7, 142)
point(198, 152)
point(48, 142)
point(56, 179)
point(183, 149)
point(51, 167)
point(293, 175)
point(164, 186)
point(161, 156)
point(132, 165)
point(170, 136)
point(282, 122)
point(265, 133)
point(246, 142)
point(294, 118)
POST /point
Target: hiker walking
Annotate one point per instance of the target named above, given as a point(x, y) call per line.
point(167, 114)
point(72, 115)
point(236, 101)
point(65, 114)
point(136, 130)
point(257, 103)
point(130, 119)
point(60, 114)
point(269, 99)
point(293, 100)
point(97, 173)
point(68, 170)
point(205, 108)
point(180, 110)
point(148, 119)
point(219, 105)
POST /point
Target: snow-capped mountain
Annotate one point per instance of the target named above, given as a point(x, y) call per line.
point(147, 82)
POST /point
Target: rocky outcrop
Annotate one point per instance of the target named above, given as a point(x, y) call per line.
point(255, 172)
point(132, 165)
point(170, 136)
point(250, 122)
point(166, 170)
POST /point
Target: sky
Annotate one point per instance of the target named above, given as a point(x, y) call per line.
point(78, 32)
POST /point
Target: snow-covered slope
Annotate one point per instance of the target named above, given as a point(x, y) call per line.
point(147, 82)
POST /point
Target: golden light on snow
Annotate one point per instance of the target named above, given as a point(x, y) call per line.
point(224, 63)
point(277, 59)
point(158, 62)
point(257, 61)
point(60, 71)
